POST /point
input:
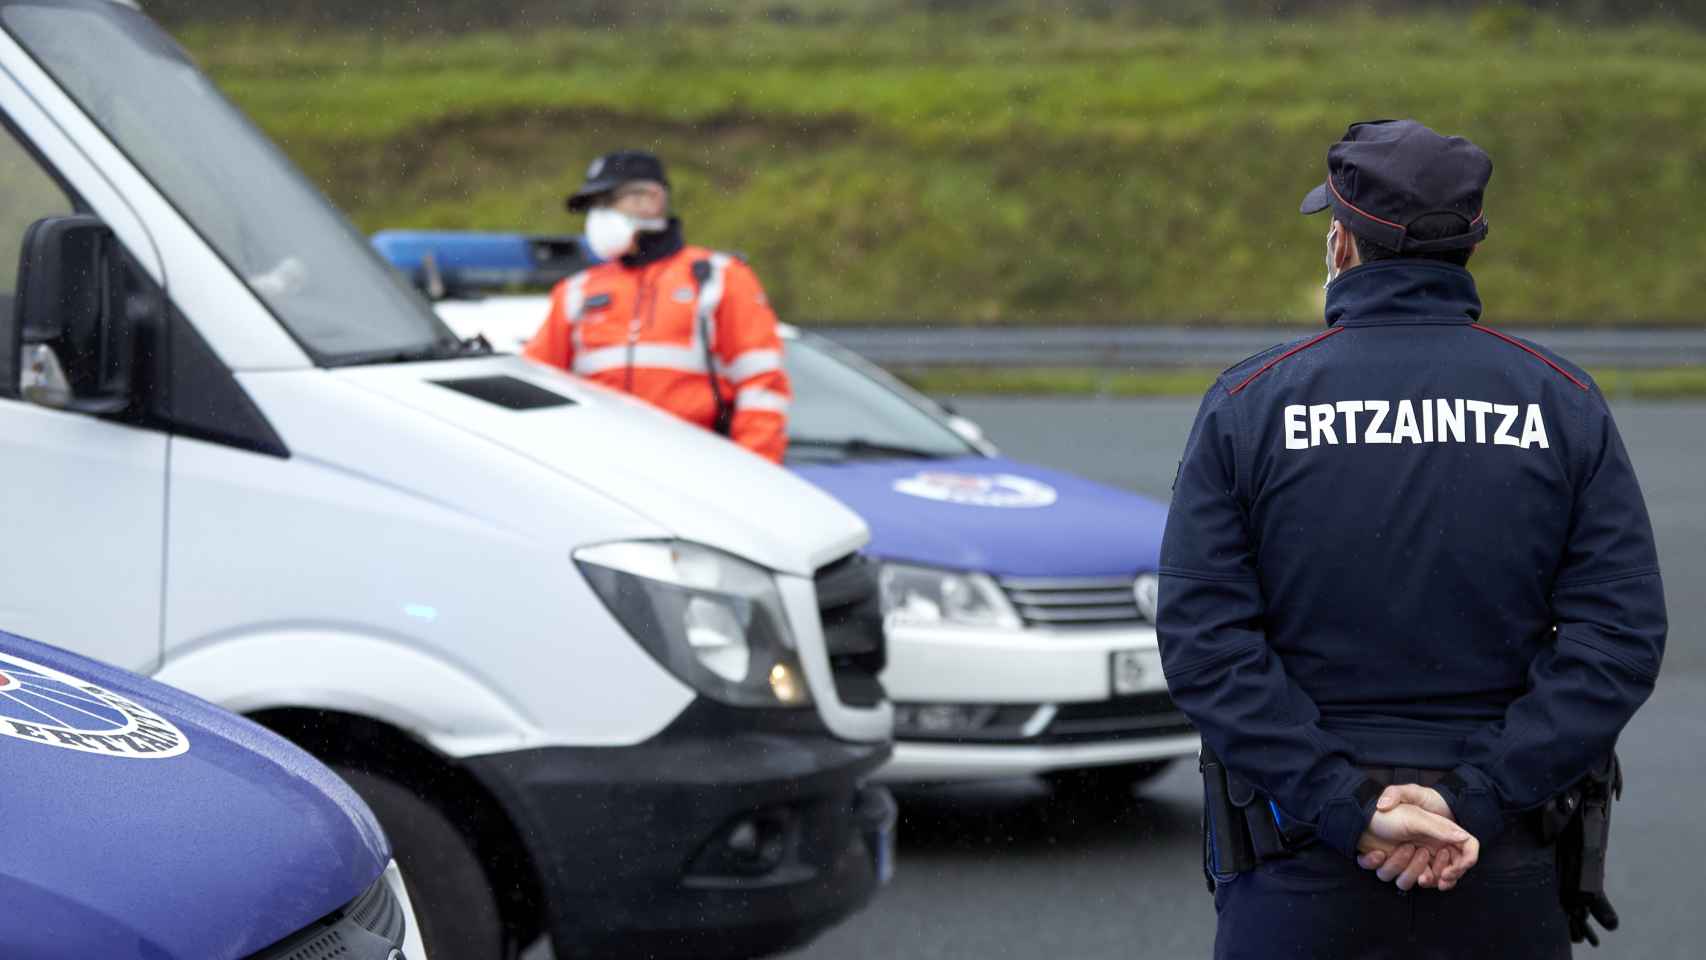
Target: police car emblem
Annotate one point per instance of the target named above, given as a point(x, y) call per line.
point(978, 490)
point(45, 706)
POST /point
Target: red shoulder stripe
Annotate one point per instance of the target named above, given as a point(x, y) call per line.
point(1532, 352)
point(1305, 345)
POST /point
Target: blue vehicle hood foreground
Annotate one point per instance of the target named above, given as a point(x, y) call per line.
point(996, 516)
point(142, 822)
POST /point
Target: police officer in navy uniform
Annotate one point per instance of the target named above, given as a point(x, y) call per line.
point(1409, 595)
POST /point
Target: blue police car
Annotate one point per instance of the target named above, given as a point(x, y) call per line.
point(145, 824)
point(1020, 599)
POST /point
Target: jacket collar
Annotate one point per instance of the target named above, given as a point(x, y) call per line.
point(1403, 292)
point(652, 247)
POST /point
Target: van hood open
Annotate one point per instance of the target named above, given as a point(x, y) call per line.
point(143, 822)
point(695, 484)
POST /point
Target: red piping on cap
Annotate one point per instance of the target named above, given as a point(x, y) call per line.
point(1397, 226)
point(1530, 350)
point(1305, 345)
point(1334, 187)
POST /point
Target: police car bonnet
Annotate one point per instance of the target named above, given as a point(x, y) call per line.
point(148, 822)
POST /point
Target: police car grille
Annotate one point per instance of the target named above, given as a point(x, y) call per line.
point(378, 911)
point(1135, 717)
point(1073, 601)
point(1143, 716)
point(365, 929)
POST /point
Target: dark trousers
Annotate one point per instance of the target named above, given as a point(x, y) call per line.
point(1319, 904)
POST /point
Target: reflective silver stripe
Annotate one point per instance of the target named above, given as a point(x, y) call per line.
point(758, 398)
point(649, 356)
point(710, 298)
point(750, 364)
point(574, 303)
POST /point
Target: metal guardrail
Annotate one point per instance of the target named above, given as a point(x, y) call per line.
point(944, 346)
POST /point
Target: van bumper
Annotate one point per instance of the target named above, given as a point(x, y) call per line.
point(707, 841)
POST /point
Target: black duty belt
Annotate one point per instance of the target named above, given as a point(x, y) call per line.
point(1387, 776)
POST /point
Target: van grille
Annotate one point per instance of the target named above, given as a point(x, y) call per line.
point(1073, 601)
point(852, 614)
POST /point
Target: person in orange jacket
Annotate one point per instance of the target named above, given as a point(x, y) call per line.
point(681, 326)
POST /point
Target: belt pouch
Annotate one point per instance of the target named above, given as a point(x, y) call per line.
point(1227, 848)
point(1266, 843)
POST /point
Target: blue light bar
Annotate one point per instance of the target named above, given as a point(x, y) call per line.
point(465, 262)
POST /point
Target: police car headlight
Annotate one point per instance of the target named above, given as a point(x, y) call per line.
point(921, 595)
point(1147, 591)
point(712, 619)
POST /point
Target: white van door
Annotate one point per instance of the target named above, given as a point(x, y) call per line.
point(82, 497)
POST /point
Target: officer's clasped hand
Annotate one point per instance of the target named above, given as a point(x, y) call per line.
point(1412, 839)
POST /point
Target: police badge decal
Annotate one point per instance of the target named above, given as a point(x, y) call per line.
point(42, 705)
point(978, 490)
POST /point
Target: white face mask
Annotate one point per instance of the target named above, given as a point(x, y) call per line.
point(1332, 270)
point(610, 232)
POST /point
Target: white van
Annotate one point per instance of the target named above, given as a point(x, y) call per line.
point(600, 674)
point(1020, 598)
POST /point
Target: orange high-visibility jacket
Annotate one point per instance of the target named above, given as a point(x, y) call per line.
point(640, 329)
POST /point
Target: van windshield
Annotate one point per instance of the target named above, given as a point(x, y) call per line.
point(308, 264)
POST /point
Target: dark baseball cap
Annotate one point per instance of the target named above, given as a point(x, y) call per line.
point(1384, 175)
point(611, 171)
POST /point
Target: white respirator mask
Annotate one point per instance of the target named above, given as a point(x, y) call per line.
point(610, 233)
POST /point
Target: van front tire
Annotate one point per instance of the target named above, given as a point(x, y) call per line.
point(453, 902)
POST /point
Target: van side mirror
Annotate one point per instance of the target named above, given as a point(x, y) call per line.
point(69, 345)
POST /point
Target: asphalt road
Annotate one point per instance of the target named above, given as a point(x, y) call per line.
point(1000, 870)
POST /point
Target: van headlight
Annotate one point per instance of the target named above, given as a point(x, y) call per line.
point(712, 619)
point(923, 595)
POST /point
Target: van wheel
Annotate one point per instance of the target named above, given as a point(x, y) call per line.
point(453, 903)
point(1109, 785)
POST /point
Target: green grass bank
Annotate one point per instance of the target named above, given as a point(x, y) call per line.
point(969, 169)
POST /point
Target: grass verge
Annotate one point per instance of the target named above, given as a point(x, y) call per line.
point(1039, 168)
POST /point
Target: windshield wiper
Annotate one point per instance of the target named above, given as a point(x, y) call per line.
point(444, 348)
point(860, 447)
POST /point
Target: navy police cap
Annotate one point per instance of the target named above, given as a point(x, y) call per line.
point(611, 171)
point(1384, 175)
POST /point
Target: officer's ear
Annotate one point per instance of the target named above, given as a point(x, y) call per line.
point(1345, 253)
